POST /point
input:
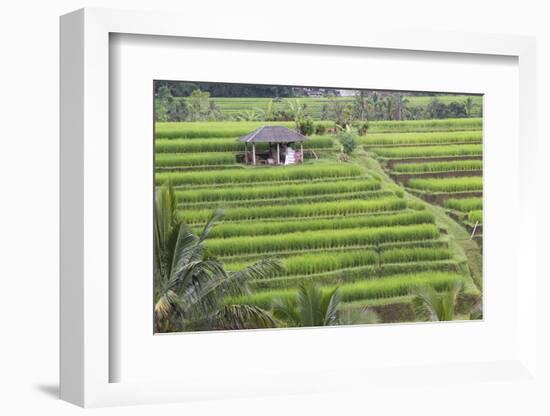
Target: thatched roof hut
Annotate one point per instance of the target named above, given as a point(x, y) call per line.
point(273, 135)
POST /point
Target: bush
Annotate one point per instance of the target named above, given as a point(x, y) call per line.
point(348, 140)
point(362, 128)
point(320, 129)
point(305, 126)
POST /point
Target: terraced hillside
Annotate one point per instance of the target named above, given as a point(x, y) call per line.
point(443, 168)
point(330, 222)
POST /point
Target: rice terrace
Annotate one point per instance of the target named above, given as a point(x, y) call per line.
point(297, 207)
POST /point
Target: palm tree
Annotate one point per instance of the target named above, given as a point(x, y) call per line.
point(469, 105)
point(314, 307)
point(297, 110)
point(311, 307)
point(436, 306)
point(190, 286)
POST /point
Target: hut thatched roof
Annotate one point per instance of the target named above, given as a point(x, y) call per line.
point(273, 134)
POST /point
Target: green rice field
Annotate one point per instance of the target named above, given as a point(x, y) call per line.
point(351, 224)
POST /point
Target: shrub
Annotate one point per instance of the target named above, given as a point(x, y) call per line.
point(320, 129)
point(348, 140)
point(305, 126)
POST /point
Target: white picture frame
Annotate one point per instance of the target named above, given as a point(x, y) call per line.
point(85, 211)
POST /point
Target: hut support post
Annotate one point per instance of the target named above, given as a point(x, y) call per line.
point(278, 155)
point(301, 152)
point(253, 154)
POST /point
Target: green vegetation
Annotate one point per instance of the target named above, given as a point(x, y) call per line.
point(268, 174)
point(447, 184)
point(235, 229)
point(429, 151)
point(194, 159)
point(329, 241)
point(225, 145)
point(464, 204)
point(447, 137)
point(285, 190)
point(386, 287)
point(321, 209)
point(456, 165)
point(474, 216)
point(320, 239)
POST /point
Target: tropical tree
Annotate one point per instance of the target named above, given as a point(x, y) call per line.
point(348, 140)
point(190, 286)
point(313, 306)
point(469, 105)
point(436, 306)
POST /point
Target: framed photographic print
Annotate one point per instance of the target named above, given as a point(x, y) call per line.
point(273, 220)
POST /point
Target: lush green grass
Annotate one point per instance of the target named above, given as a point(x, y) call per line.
point(227, 145)
point(421, 138)
point(315, 263)
point(429, 151)
point(448, 124)
point(455, 165)
point(464, 204)
point(194, 159)
point(319, 239)
point(268, 192)
point(211, 129)
point(387, 287)
point(460, 184)
point(321, 209)
point(252, 228)
point(260, 174)
point(476, 215)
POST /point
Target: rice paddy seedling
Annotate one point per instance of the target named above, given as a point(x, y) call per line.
point(285, 190)
point(413, 254)
point(460, 184)
point(189, 130)
point(296, 200)
point(265, 174)
point(229, 229)
point(429, 151)
point(306, 264)
point(348, 275)
point(449, 124)
point(456, 165)
point(319, 239)
point(421, 138)
point(322, 209)
point(476, 215)
point(464, 204)
point(194, 159)
point(387, 287)
point(226, 145)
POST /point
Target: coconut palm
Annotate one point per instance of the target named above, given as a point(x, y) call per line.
point(190, 286)
point(435, 306)
point(313, 306)
point(469, 105)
